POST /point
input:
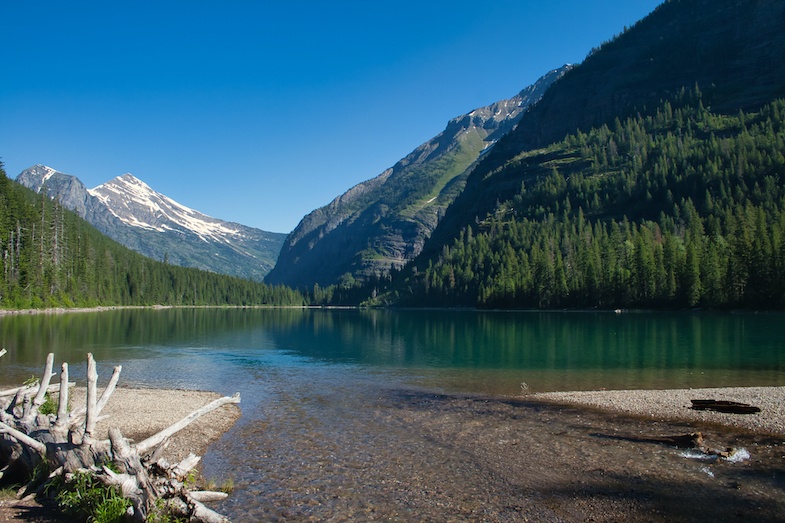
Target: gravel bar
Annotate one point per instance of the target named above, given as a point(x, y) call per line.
point(676, 404)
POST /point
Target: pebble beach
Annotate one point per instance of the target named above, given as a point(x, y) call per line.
point(676, 405)
point(141, 413)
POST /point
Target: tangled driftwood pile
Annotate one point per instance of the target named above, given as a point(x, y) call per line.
point(45, 446)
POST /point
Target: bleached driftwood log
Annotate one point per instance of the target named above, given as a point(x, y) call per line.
point(44, 446)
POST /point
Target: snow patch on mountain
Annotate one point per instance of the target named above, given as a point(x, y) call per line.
point(135, 203)
point(38, 175)
point(48, 172)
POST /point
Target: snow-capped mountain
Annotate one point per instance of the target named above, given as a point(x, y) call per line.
point(134, 203)
point(132, 213)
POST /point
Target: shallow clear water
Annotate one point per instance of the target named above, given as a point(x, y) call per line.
point(322, 389)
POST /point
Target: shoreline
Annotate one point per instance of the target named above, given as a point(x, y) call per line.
point(424, 455)
point(104, 308)
point(675, 405)
point(66, 310)
point(140, 413)
point(101, 308)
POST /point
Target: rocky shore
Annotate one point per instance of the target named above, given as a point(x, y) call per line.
point(140, 413)
point(676, 405)
point(574, 456)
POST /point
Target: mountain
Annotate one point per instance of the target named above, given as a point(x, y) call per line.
point(50, 257)
point(130, 212)
point(382, 223)
point(731, 49)
point(650, 175)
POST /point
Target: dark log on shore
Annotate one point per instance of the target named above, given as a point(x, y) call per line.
point(729, 407)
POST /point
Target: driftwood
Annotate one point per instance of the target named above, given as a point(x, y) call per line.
point(43, 447)
point(729, 407)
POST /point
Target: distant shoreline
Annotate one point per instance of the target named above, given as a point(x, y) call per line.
point(102, 308)
point(64, 310)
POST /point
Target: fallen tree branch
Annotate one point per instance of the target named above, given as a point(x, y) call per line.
point(54, 387)
point(23, 438)
point(207, 496)
point(61, 423)
point(40, 396)
point(156, 439)
point(65, 444)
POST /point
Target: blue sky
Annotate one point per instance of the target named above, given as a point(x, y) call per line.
point(260, 112)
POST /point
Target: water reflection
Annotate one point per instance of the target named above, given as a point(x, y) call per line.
point(459, 350)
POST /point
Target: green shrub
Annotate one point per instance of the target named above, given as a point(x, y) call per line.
point(86, 498)
point(48, 406)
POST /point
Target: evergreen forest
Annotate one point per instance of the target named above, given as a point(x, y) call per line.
point(684, 208)
point(49, 257)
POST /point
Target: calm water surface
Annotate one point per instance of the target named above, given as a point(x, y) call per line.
point(485, 352)
point(315, 383)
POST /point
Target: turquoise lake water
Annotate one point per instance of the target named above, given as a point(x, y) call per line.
point(464, 351)
point(330, 426)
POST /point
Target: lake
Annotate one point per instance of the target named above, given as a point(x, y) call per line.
point(467, 351)
point(322, 386)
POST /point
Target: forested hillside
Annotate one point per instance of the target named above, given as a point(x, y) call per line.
point(49, 257)
point(684, 208)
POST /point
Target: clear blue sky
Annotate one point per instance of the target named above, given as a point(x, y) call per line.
point(258, 111)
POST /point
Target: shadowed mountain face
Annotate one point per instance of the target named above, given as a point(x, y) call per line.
point(733, 50)
point(130, 212)
point(383, 223)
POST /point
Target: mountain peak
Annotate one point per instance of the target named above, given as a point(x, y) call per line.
point(125, 182)
point(135, 203)
point(134, 214)
point(130, 178)
point(37, 175)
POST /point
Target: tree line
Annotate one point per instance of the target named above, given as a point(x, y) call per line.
point(49, 257)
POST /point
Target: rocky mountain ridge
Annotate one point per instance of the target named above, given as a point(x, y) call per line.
point(380, 224)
